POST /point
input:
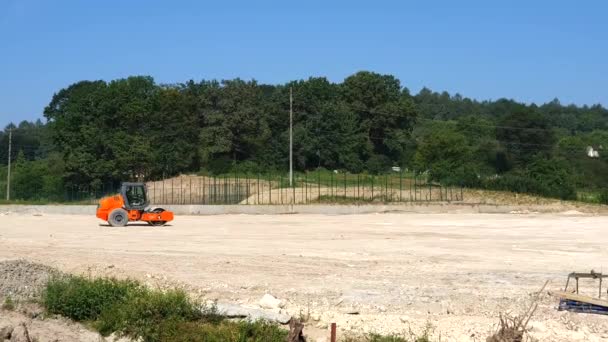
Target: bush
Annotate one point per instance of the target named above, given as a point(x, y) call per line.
point(8, 304)
point(226, 331)
point(378, 163)
point(544, 177)
point(83, 299)
point(144, 313)
point(131, 310)
point(603, 197)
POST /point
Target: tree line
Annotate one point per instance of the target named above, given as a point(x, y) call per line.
point(101, 132)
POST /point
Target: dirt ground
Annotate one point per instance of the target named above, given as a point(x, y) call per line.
point(368, 273)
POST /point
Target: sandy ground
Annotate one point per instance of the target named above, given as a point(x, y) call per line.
point(396, 271)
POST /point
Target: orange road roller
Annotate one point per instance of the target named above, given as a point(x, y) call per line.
point(130, 205)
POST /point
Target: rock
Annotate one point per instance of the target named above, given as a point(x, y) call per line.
point(20, 334)
point(237, 311)
point(322, 325)
point(404, 319)
point(350, 311)
point(538, 327)
point(315, 317)
point(270, 302)
point(5, 332)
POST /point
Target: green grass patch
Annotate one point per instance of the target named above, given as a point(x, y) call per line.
point(410, 336)
point(129, 309)
point(329, 199)
point(9, 304)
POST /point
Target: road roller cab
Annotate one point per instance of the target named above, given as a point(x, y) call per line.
point(131, 204)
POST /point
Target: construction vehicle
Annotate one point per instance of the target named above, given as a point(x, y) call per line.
point(131, 204)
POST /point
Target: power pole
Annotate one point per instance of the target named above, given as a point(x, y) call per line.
point(8, 176)
point(290, 136)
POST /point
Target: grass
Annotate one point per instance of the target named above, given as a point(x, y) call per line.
point(411, 337)
point(329, 199)
point(8, 304)
point(129, 309)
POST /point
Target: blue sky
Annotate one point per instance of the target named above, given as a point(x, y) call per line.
point(531, 51)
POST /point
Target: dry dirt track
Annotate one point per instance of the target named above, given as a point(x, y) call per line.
point(398, 271)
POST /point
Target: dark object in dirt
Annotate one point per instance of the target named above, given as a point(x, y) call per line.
point(295, 332)
point(511, 330)
point(514, 328)
point(576, 306)
point(6, 332)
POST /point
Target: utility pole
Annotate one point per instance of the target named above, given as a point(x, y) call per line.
point(8, 176)
point(290, 136)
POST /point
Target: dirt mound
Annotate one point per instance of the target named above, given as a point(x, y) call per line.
point(21, 279)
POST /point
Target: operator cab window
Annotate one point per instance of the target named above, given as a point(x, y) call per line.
point(136, 195)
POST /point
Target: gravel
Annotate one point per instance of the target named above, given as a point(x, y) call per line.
point(23, 280)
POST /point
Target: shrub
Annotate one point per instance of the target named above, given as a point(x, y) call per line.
point(8, 304)
point(83, 299)
point(143, 314)
point(603, 197)
point(131, 310)
point(244, 331)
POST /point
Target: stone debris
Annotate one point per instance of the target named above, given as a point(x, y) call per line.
point(253, 314)
point(23, 280)
point(270, 302)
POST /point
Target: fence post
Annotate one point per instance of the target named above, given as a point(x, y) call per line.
point(400, 185)
point(345, 185)
point(306, 187)
point(293, 190)
point(357, 197)
point(319, 185)
point(372, 188)
point(415, 183)
point(201, 188)
point(270, 189)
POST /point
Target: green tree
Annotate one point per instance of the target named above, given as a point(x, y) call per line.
point(524, 134)
point(445, 154)
point(386, 112)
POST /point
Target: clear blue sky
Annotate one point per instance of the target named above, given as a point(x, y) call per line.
point(531, 51)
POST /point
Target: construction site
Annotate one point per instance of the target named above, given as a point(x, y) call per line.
point(452, 272)
point(305, 171)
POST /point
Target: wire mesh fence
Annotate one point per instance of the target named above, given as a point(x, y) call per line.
point(248, 189)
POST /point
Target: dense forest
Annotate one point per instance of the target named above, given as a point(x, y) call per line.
point(98, 132)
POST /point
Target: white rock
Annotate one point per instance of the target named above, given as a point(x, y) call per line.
point(315, 317)
point(270, 302)
point(404, 319)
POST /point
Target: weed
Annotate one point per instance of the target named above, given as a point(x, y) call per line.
point(129, 309)
point(83, 299)
point(8, 304)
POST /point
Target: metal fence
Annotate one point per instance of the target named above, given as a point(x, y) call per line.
point(307, 188)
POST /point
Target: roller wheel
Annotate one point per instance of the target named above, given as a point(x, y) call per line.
point(157, 223)
point(118, 218)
